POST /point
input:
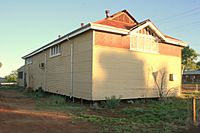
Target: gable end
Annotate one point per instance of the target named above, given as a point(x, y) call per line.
point(124, 17)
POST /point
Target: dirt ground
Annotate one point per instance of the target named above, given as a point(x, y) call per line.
point(18, 115)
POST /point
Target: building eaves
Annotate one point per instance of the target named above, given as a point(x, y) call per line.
point(113, 27)
point(89, 26)
point(196, 72)
point(59, 40)
point(164, 38)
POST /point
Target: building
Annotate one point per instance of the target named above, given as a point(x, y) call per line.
point(2, 80)
point(117, 56)
point(21, 77)
point(191, 80)
point(191, 76)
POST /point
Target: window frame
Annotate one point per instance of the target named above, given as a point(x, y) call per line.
point(144, 39)
point(21, 75)
point(55, 51)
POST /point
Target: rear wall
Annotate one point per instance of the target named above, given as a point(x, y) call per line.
point(128, 74)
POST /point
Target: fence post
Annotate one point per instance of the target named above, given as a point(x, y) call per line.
point(196, 87)
point(194, 110)
point(198, 117)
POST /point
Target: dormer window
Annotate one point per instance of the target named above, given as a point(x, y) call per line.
point(144, 43)
point(55, 50)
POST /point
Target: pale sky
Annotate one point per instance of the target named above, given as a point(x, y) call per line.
point(26, 25)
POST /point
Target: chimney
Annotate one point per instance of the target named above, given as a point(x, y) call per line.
point(107, 13)
point(82, 24)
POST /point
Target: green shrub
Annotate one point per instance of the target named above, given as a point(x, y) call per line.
point(18, 88)
point(55, 100)
point(39, 93)
point(143, 101)
point(111, 102)
point(36, 94)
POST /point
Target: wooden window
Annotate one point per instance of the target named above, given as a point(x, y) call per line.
point(20, 75)
point(144, 43)
point(55, 51)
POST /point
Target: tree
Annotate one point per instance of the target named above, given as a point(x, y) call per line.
point(189, 58)
point(160, 79)
point(198, 65)
point(12, 77)
point(0, 64)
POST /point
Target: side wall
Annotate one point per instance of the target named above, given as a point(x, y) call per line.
point(82, 66)
point(56, 76)
point(128, 74)
point(20, 80)
point(33, 74)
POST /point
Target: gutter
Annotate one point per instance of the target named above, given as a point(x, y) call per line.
point(89, 26)
point(71, 68)
point(93, 26)
point(59, 40)
point(179, 43)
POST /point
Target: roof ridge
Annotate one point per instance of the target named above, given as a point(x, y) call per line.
point(122, 22)
point(125, 11)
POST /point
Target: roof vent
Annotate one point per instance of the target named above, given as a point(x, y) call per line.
point(82, 24)
point(59, 36)
point(107, 13)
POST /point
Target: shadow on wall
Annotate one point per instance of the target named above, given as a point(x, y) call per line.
point(126, 74)
point(119, 72)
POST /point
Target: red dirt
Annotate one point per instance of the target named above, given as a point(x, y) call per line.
point(17, 114)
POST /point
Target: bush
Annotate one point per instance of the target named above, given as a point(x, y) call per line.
point(111, 102)
point(36, 94)
point(39, 93)
point(55, 100)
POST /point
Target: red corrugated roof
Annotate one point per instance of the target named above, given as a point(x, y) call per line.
point(116, 24)
point(123, 25)
point(172, 38)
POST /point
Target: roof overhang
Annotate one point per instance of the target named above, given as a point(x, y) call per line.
point(109, 29)
point(89, 26)
point(151, 25)
point(179, 43)
point(59, 40)
point(93, 26)
point(158, 33)
point(195, 72)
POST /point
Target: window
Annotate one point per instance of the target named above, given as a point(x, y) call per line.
point(20, 75)
point(55, 50)
point(145, 43)
point(41, 65)
point(29, 61)
point(172, 77)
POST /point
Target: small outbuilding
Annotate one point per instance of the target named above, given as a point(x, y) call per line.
point(2, 80)
point(191, 76)
point(21, 77)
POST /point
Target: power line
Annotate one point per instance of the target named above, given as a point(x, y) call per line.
point(182, 14)
point(184, 26)
point(180, 17)
point(179, 14)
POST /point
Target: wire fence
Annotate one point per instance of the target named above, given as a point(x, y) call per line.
point(190, 87)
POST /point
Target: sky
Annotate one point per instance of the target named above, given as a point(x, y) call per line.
point(26, 25)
